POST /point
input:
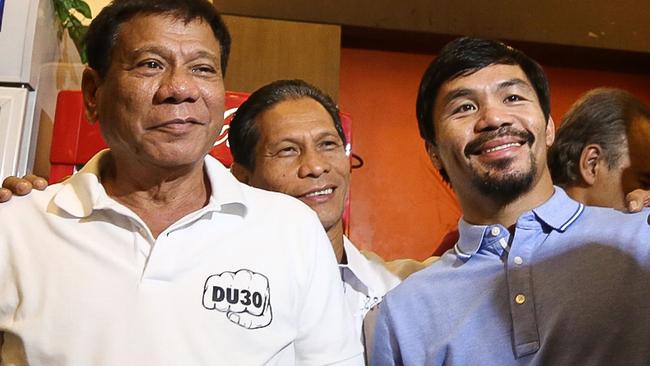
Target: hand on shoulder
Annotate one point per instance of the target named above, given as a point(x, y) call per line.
point(637, 199)
point(21, 186)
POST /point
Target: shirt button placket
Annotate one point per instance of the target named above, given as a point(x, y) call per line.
point(522, 307)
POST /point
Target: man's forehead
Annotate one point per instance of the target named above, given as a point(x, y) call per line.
point(170, 25)
point(295, 117)
point(494, 75)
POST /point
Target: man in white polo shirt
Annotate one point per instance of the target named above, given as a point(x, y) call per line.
point(153, 253)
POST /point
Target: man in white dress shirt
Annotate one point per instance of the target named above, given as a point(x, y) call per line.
point(287, 137)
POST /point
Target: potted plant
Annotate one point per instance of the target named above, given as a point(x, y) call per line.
point(70, 14)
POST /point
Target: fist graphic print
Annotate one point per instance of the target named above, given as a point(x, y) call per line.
point(243, 295)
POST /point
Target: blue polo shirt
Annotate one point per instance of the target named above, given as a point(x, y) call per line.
point(571, 286)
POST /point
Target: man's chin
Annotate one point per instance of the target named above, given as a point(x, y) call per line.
point(504, 187)
point(329, 220)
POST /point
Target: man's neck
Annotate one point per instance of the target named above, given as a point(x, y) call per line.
point(484, 210)
point(159, 197)
point(335, 234)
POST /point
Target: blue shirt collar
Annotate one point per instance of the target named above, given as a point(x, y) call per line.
point(558, 212)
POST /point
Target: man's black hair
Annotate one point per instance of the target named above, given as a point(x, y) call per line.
point(601, 116)
point(243, 134)
point(102, 34)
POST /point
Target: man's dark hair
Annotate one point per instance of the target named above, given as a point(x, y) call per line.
point(243, 134)
point(465, 56)
point(102, 34)
point(601, 116)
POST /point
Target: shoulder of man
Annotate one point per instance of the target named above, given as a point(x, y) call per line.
point(402, 267)
point(609, 219)
point(35, 201)
point(268, 202)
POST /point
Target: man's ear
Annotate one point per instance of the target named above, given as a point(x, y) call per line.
point(240, 172)
point(432, 151)
point(550, 132)
point(590, 160)
point(90, 82)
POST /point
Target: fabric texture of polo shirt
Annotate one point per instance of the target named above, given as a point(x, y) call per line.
point(249, 279)
point(570, 287)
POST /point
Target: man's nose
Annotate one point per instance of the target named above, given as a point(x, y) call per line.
point(313, 164)
point(492, 116)
point(177, 86)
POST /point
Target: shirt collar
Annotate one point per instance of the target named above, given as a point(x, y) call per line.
point(470, 239)
point(558, 212)
point(83, 192)
point(374, 276)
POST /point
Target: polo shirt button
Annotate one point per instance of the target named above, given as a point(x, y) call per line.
point(520, 299)
point(495, 231)
point(518, 260)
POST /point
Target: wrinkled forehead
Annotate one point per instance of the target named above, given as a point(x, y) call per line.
point(154, 25)
point(293, 118)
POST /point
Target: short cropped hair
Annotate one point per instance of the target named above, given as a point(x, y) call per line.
point(244, 135)
point(103, 30)
point(465, 56)
point(601, 116)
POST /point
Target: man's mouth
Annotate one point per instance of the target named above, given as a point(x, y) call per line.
point(322, 192)
point(177, 122)
point(502, 147)
point(501, 139)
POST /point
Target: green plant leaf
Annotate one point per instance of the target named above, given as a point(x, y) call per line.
point(61, 12)
point(69, 21)
point(77, 34)
point(82, 7)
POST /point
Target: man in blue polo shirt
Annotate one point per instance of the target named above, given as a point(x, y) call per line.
point(535, 278)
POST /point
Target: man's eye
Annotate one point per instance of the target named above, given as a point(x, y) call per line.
point(287, 151)
point(204, 69)
point(330, 144)
point(151, 64)
point(514, 98)
point(465, 108)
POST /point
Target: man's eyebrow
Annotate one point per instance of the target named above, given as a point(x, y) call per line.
point(298, 138)
point(155, 49)
point(206, 54)
point(514, 82)
point(454, 94)
point(150, 49)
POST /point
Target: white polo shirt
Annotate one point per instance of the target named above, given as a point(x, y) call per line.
point(365, 282)
point(366, 279)
point(249, 279)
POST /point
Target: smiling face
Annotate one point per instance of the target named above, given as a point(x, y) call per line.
point(300, 153)
point(491, 134)
point(161, 102)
